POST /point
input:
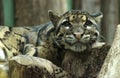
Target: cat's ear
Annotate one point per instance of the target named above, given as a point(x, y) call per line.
point(98, 16)
point(54, 17)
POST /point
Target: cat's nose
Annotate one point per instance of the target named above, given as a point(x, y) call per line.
point(78, 35)
point(78, 32)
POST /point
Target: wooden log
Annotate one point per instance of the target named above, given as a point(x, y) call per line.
point(110, 68)
point(33, 67)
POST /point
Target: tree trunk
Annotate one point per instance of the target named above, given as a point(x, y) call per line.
point(110, 10)
point(91, 6)
point(110, 68)
point(77, 4)
point(35, 12)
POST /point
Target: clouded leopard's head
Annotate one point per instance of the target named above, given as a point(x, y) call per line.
point(75, 30)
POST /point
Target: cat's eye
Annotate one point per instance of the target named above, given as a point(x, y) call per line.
point(66, 25)
point(83, 18)
point(88, 23)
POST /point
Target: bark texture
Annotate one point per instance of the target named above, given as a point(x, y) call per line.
point(4, 68)
point(32, 67)
point(110, 68)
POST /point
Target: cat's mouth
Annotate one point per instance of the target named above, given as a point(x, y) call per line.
point(78, 47)
point(78, 43)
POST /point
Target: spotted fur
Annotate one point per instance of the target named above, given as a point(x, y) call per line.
point(74, 30)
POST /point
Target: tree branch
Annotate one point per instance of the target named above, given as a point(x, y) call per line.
point(111, 66)
point(24, 66)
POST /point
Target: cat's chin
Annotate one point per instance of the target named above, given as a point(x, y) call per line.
point(78, 47)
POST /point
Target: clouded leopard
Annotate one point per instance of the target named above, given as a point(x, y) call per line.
point(74, 31)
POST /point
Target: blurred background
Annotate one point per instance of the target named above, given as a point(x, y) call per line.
point(35, 12)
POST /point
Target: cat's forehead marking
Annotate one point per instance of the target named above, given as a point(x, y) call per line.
point(80, 16)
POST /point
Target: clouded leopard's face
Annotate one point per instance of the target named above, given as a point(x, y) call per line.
point(75, 30)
